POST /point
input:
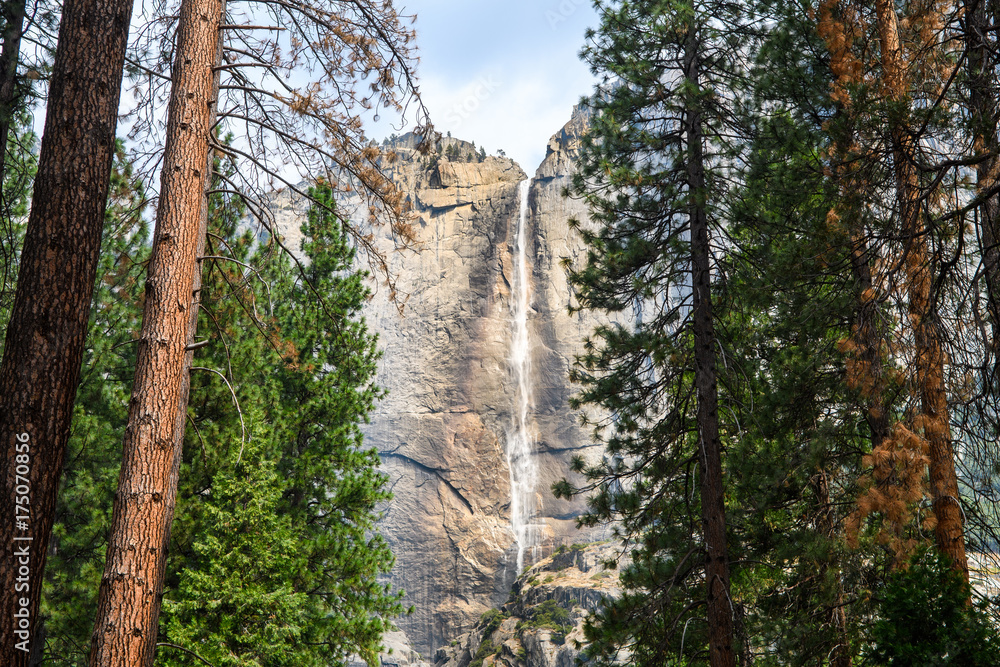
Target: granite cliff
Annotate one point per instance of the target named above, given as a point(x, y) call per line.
point(444, 430)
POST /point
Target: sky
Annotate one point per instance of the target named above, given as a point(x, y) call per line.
point(504, 74)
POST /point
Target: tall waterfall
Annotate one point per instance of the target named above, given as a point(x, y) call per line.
point(520, 440)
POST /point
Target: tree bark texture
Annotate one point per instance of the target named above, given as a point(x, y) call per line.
point(929, 354)
point(46, 333)
point(719, 604)
point(125, 630)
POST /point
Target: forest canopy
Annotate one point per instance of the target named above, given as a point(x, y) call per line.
point(795, 207)
point(793, 229)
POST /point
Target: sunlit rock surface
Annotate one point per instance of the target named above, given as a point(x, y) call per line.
point(442, 429)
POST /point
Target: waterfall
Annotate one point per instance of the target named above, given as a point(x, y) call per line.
point(520, 441)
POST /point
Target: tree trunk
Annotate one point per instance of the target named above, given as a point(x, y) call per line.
point(929, 354)
point(827, 523)
point(713, 511)
point(13, 17)
point(983, 104)
point(48, 325)
point(869, 337)
point(125, 630)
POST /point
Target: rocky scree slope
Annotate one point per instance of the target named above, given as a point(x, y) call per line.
point(541, 625)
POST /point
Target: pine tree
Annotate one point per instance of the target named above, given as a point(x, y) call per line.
point(926, 619)
point(342, 44)
point(792, 292)
point(651, 172)
point(929, 353)
point(128, 607)
point(796, 459)
point(892, 146)
point(294, 465)
point(312, 593)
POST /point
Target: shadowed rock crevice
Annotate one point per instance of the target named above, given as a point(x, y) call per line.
point(436, 473)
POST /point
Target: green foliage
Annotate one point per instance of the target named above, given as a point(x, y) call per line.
point(485, 650)
point(274, 557)
point(313, 595)
point(562, 548)
point(18, 178)
point(490, 621)
point(792, 297)
point(926, 621)
point(235, 600)
point(793, 431)
point(633, 173)
point(794, 466)
point(549, 614)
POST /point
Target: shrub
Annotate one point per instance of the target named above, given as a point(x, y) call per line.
point(925, 621)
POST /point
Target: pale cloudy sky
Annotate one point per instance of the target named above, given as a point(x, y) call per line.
point(503, 74)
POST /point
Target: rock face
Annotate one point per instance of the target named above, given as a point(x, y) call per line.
point(558, 336)
point(442, 430)
point(542, 621)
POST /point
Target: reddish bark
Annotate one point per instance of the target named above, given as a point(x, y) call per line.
point(125, 630)
point(928, 352)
